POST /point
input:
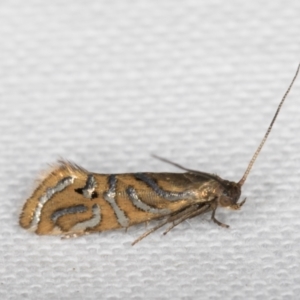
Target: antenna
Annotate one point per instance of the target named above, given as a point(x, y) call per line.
point(243, 179)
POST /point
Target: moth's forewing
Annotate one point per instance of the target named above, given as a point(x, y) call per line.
point(70, 200)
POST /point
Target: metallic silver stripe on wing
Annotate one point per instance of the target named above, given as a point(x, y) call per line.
point(171, 196)
point(69, 210)
point(88, 191)
point(137, 202)
point(110, 197)
point(60, 186)
point(93, 222)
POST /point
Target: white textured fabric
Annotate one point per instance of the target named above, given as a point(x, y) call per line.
point(107, 83)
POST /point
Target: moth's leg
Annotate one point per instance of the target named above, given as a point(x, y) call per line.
point(188, 215)
point(181, 216)
point(168, 220)
point(150, 231)
point(214, 208)
point(183, 212)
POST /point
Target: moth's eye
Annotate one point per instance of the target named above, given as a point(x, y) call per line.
point(225, 201)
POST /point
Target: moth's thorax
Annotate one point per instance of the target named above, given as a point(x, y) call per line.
point(230, 194)
point(208, 191)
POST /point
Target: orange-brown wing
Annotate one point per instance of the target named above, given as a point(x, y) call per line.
point(70, 200)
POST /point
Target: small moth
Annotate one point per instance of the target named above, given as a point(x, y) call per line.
point(70, 201)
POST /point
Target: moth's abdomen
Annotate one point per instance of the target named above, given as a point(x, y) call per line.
point(71, 200)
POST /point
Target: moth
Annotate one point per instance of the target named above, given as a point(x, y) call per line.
point(71, 201)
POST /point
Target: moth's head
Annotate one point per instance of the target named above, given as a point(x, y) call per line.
point(230, 195)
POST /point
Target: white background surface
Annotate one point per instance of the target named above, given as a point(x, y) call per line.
point(107, 83)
